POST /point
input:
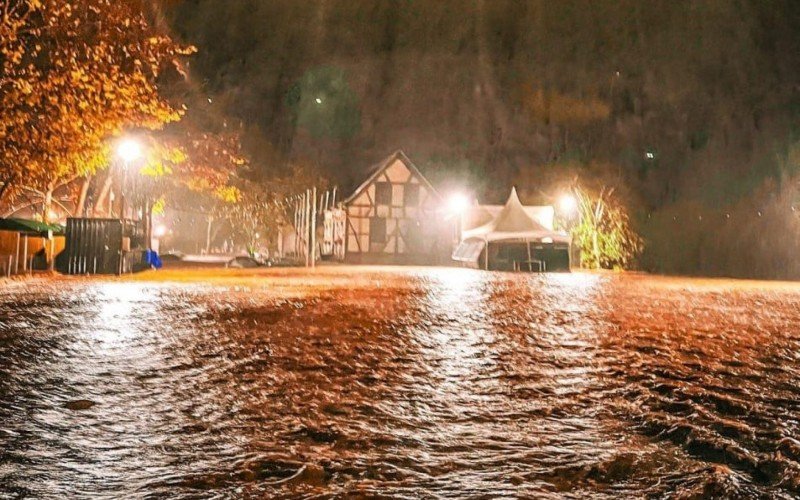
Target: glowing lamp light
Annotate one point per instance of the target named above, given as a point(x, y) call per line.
point(319, 101)
point(568, 204)
point(129, 150)
point(160, 230)
point(457, 203)
point(547, 239)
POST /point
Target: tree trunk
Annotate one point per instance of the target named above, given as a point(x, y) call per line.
point(208, 234)
point(101, 198)
point(48, 202)
point(80, 207)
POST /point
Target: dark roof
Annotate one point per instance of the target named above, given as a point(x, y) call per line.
point(30, 227)
point(379, 167)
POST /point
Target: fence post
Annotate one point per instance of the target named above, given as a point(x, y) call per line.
point(306, 224)
point(16, 257)
point(25, 255)
point(314, 230)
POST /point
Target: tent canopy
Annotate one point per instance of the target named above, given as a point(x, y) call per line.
point(514, 223)
point(30, 227)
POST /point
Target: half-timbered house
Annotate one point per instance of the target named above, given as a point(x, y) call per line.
point(394, 216)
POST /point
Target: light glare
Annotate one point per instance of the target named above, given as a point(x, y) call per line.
point(129, 150)
point(567, 203)
point(457, 203)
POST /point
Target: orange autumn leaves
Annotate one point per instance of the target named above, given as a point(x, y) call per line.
point(73, 74)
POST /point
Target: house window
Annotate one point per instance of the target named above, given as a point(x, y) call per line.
point(383, 193)
point(411, 195)
point(377, 230)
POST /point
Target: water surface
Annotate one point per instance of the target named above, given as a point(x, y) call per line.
point(401, 382)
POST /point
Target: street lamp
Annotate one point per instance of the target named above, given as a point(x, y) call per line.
point(457, 203)
point(568, 204)
point(129, 150)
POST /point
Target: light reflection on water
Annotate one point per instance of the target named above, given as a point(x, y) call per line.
point(119, 304)
point(448, 382)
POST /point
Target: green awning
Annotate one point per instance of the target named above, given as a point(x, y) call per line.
point(31, 227)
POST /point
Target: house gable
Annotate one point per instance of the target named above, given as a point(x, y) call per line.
point(403, 200)
point(397, 168)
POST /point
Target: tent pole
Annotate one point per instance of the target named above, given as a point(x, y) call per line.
point(528, 242)
point(486, 254)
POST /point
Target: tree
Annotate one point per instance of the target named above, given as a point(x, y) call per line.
point(262, 208)
point(73, 74)
point(603, 232)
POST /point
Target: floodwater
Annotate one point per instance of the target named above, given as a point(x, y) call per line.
point(404, 382)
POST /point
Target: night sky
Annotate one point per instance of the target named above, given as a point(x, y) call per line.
point(676, 104)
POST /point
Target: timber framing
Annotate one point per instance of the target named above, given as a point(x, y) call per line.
point(394, 216)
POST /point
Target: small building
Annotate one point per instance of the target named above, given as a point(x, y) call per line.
point(103, 246)
point(393, 217)
point(512, 237)
point(28, 244)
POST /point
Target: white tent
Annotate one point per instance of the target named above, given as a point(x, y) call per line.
point(513, 223)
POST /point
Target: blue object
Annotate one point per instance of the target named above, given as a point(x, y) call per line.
point(152, 259)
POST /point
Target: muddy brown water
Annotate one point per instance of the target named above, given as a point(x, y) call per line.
point(410, 383)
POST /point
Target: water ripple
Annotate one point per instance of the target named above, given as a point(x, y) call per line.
point(433, 382)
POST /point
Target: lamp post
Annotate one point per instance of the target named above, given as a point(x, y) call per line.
point(568, 206)
point(456, 205)
point(128, 150)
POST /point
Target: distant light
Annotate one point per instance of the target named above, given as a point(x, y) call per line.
point(649, 155)
point(129, 150)
point(52, 215)
point(547, 239)
point(568, 204)
point(160, 230)
point(457, 203)
point(319, 101)
point(258, 235)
